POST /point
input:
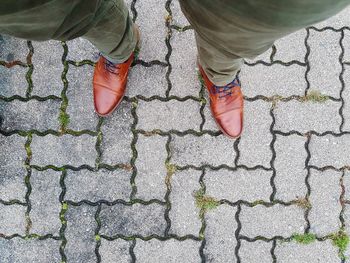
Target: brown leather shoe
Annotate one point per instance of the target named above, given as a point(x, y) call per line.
point(226, 104)
point(109, 84)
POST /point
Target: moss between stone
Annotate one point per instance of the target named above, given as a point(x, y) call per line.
point(315, 96)
point(304, 239)
point(205, 202)
point(303, 203)
point(340, 240)
point(171, 169)
point(63, 119)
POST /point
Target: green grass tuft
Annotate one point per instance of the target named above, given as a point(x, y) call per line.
point(63, 119)
point(97, 238)
point(205, 202)
point(315, 96)
point(304, 238)
point(341, 240)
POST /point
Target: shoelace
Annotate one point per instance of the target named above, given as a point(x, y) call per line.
point(111, 67)
point(225, 90)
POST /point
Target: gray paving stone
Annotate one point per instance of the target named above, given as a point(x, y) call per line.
point(346, 97)
point(80, 234)
point(80, 49)
point(115, 251)
point(184, 73)
point(220, 234)
point(100, 185)
point(311, 253)
point(209, 123)
point(147, 81)
point(45, 203)
point(307, 116)
point(117, 136)
point(254, 145)
point(324, 62)
point(12, 219)
point(346, 183)
point(202, 150)
point(63, 150)
point(238, 185)
point(48, 68)
point(255, 252)
point(170, 251)
point(184, 213)
point(170, 115)
point(31, 115)
point(151, 170)
point(137, 219)
point(325, 201)
point(291, 47)
point(346, 45)
point(12, 170)
point(29, 251)
point(13, 81)
point(151, 20)
point(178, 17)
point(273, 80)
point(338, 21)
point(13, 49)
point(277, 220)
point(290, 167)
point(80, 98)
point(330, 150)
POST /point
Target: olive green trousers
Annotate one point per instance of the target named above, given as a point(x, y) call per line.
point(226, 30)
point(105, 23)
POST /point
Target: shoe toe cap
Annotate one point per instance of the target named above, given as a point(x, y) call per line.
point(105, 101)
point(231, 123)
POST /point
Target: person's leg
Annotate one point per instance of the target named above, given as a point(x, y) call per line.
point(229, 30)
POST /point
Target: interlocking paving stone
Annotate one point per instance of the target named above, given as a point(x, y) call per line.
point(346, 183)
point(80, 99)
point(220, 234)
point(29, 251)
point(312, 253)
point(31, 115)
point(45, 205)
point(137, 219)
point(13, 49)
point(48, 68)
point(324, 198)
point(151, 20)
point(255, 252)
point(184, 213)
point(63, 150)
point(168, 251)
point(80, 234)
point(330, 150)
point(184, 73)
point(265, 57)
point(97, 185)
point(12, 219)
point(178, 18)
point(291, 47)
point(290, 167)
point(13, 81)
point(325, 67)
point(307, 116)
point(151, 170)
point(254, 145)
point(202, 150)
point(171, 115)
point(346, 96)
point(346, 45)
point(80, 49)
point(115, 251)
point(238, 185)
point(147, 81)
point(12, 170)
point(277, 220)
point(117, 136)
point(273, 80)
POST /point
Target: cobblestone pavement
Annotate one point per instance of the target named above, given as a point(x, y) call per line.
point(157, 181)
